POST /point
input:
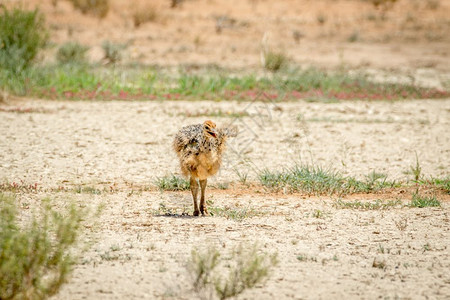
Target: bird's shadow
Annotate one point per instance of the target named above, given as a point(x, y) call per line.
point(178, 216)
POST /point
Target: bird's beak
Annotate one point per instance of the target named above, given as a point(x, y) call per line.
point(213, 132)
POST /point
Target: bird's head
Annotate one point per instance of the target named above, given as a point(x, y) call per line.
point(209, 129)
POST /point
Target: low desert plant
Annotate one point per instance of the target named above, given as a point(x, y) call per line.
point(235, 213)
point(243, 176)
point(443, 183)
point(98, 8)
point(87, 190)
point(175, 3)
point(35, 256)
point(72, 52)
point(353, 37)
point(172, 183)
point(22, 35)
point(416, 170)
point(144, 13)
point(113, 52)
point(421, 201)
point(202, 265)
point(433, 4)
point(245, 267)
point(317, 180)
point(274, 61)
point(367, 205)
point(380, 264)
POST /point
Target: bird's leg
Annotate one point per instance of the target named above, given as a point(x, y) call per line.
point(194, 190)
point(203, 209)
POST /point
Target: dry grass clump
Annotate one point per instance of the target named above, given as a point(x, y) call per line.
point(72, 52)
point(144, 12)
point(98, 8)
point(274, 61)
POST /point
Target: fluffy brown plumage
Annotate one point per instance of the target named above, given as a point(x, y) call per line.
point(199, 148)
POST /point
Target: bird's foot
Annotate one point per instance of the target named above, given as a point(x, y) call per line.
point(204, 211)
point(196, 213)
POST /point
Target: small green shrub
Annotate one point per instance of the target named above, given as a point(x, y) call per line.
point(72, 52)
point(112, 51)
point(22, 35)
point(274, 61)
point(242, 269)
point(35, 258)
point(98, 8)
point(201, 266)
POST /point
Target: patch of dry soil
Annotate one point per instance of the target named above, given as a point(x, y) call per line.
point(65, 143)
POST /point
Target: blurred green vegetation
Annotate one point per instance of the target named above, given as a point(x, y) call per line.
point(35, 255)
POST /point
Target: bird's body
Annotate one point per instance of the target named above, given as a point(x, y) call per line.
point(199, 148)
point(199, 156)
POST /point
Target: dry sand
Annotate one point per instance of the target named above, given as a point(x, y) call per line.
point(139, 254)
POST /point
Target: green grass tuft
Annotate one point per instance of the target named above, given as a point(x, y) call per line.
point(235, 213)
point(424, 201)
point(317, 180)
point(172, 183)
point(368, 205)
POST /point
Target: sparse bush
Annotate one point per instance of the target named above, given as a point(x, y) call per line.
point(144, 13)
point(201, 266)
point(321, 19)
point(274, 61)
point(384, 4)
point(245, 268)
point(72, 52)
point(22, 35)
point(354, 37)
point(112, 51)
point(35, 258)
point(172, 183)
point(98, 8)
point(433, 4)
point(175, 3)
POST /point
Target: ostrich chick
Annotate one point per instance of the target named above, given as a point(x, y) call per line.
point(199, 148)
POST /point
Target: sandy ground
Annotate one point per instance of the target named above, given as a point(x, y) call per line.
point(58, 143)
point(139, 253)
